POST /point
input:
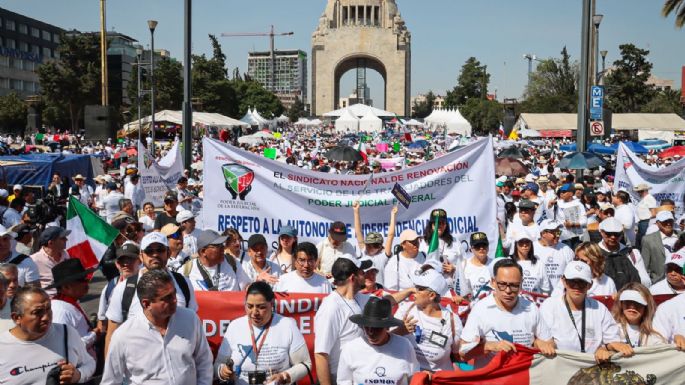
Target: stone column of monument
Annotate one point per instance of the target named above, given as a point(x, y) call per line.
point(337, 46)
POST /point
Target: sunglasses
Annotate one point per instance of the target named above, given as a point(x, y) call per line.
point(556, 233)
point(176, 235)
point(614, 235)
point(155, 250)
point(480, 246)
point(577, 283)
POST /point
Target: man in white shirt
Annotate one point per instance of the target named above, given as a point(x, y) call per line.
point(186, 219)
point(645, 210)
point(26, 267)
point(674, 282)
point(554, 254)
point(258, 267)
point(657, 245)
point(211, 271)
point(12, 215)
point(570, 212)
point(166, 345)
point(334, 247)
point(625, 214)
point(111, 201)
point(669, 321)
point(332, 328)
point(611, 231)
point(522, 225)
point(500, 320)
point(134, 191)
point(84, 190)
point(304, 279)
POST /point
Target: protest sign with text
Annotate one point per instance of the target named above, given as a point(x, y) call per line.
point(159, 177)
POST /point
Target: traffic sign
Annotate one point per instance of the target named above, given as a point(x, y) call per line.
point(596, 102)
point(597, 128)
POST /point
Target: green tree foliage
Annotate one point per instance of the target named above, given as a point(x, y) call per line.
point(424, 108)
point(553, 86)
point(168, 91)
point(74, 79)
point(296, 111)
point(676, 7)
point(484, 115)
point(626, 86)
point(665, 101)
point(12, 114)
point(472, 83)
point(251, 94)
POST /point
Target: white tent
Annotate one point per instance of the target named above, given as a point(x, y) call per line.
point(370, 123)
point(282, 119)
point(347, 122)
point(450, 119)
point(302, 122)
point(360, 110)
point(176, 117)
point(250, 119)
point(413, 122)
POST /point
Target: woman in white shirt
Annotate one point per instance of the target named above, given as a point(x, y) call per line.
point(148, 220)
point(449, 249)
point(634, 313)
point(477, 268)
point(534, 274)
point(372, 246)
point(262, 346)
point(284, 255)
point(591, 254)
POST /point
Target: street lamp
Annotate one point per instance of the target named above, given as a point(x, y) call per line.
point(597, 20)
point(603, 53)
point(139, 53)
point(152, 24)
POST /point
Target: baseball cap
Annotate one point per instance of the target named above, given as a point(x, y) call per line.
point(170, 196)
point(543, 179)
point(641, 187)
point(676, 259)
point(432, 280)
point(111, 186)
point(611, 225)
point(17, 187)
point(184, 215)
point(370, 266)
point(566, 187)
point(530, 178)
point(4, 193)
point(290, 231)
point(521, 236)
point(633, 295)
point(663, 216)
point(20, 230)
point(440, 213)
point(338, 231)
point(516, 193)
point(343, 267)
point(527, 204)
point(154, 237)
point(578, 270)
point(255, 240)
point(549, 224)
point(479, 238)
point(128, 249)
point(51, 233)
point(532, 187)
point(408, 235)
point(169, 228)
point(373, 238)
point(210, 237)
point(499, 184)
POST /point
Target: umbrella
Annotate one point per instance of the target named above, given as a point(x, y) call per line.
point(132, 152)
point(632, 146)
point(581, 161)
point(514, 152)
point(600, 149)
point(263, 134)
point(510, 167)
point(673, 151)
point(248, 139)
point(568, 147)
point(655, 144)
point(423, 143)
point(416, 146)
point(343, 153)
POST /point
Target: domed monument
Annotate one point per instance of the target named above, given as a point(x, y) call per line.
point(360, 34)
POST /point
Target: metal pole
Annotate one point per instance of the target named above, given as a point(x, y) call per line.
point(273, 61)
point(583, 88)
point(597, 55)
point(103, 55)
point(187, 86)
point(140, 119)
point(152, 24)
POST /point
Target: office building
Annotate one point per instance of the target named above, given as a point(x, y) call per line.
point(290, 74)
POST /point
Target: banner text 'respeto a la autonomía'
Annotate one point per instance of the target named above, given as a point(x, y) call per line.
point(257, 195)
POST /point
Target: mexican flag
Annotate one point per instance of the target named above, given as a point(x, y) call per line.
point(90, 235)
point(499, 252)
point(433, 246)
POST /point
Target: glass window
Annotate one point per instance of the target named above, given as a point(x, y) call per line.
point(35, 32)
point(47, 52)
point(28, 86)
point(4, 83)
point(23, 46)
point(10, 43)
point(55, 38)
point(4, 61)
point(35, 49)
point(47, 36)
point(15, 84)
point(55, 54)
point(23, 28)
point(16, 63)
point(9, 24)
point(28, 65)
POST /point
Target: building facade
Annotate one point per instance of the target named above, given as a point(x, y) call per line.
point(25, 44)
point(438, 102)
point(290, 74)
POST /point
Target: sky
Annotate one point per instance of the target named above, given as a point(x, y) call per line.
point(445, 33)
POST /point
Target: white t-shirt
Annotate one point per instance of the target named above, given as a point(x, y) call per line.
point(252, 273)
point(280, 340)
point(555, 259)
point(662, 287)
point(328, 254)
point(644, 206)
point(488, 322)
point(600, 327)
point(222, 275)
point(669, 320)
point(379, 260)
point(452, 254)
point(293, 282)
point(148, 223)
point(535, 277)
point(402, 275)
point(333, 328)
point(572, 211)
point(516, 229)
point(626, 215)
point(111, 204)
point(476, 277)
point(431, 353)
point(392, 363)
point(27, 270)
point(603, 285)
point(635, 338)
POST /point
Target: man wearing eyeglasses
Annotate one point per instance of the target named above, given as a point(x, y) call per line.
point(611, 231)
point(304, 279)
point(554, 254)
point(499, 321)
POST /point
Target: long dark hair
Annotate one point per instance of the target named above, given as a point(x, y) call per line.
point(446, 235)
point(531, 254)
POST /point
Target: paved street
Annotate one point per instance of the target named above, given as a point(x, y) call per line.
point(90, 301)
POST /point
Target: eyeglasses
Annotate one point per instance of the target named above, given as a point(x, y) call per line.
point(503, 286)
point(556, 233)
point(176, 235)
point(415, 242)
point(614, 235)
point(155, 250)
point(577, 283)
point(480, 246)
point(525, 243)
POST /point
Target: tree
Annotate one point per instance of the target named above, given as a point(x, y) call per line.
point(424, 108)
point(250, 93)
point(626, 86)
point(12, 113)
point(296, 111)
point(678, 8)
point(73, 80)
point(472, 83)
point(665, 101)
point(168, 88)
point(553, 86)
point(483, 114)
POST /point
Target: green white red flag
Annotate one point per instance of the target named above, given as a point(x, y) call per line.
point(433, 246)
point(90, 235)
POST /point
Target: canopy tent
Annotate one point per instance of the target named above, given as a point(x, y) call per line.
point(39, 168)
point(282, 119)
point(370, 123)
point(360, 110)
point(655, 144)
point(253, 118)
point(413, 122)
point(176, 117)
point(347, 122)
point(450, 119)
point(528, 133)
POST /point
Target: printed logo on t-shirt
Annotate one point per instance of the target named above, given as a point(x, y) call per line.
point(19, 370)
point(380, 371)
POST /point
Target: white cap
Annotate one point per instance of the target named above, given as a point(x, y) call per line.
point(502, 179)
point(549, 224)
point(530, 178)
point(184, 215)
point(5, 231)
point(17, 187)
point(605, 206)
point(432, 280)
point(663, 216)
point(4, 193)
point(522, 235)
point(153, 237)
point(611, 225)
point(677, 258)
point(633, 295)
point(578, 270)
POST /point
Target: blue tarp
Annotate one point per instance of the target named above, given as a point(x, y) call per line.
point(40, 168)
point(633, 146)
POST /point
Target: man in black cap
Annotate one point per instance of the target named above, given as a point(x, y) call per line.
point(258, 268)
point(24, 237)
point(72, 285)
point(53, 244)
point(334, 247)
point(127, 263)
point(211, 271)
point(523, 223)
point(169, 213)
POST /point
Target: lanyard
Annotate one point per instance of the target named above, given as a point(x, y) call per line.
point(639, 341)
point(348, 305)
point(256, 348)
point(211, 285)
point(581, 336)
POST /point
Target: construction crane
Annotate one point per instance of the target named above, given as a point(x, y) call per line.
point(272, 82)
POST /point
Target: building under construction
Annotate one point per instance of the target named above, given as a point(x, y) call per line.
point(290, 74)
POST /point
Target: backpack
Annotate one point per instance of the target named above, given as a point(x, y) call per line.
point(19, 259)
point(130, 291)
point(188, 266)
point(619, 267)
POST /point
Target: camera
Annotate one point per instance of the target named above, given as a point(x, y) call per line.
point(257, 377)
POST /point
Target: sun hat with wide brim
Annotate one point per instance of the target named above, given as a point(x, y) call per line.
point(69, 271)
point(377, 313)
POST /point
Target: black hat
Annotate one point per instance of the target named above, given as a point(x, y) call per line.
point(68, 271)
point(128, 249)
point(527, 204)
point(377, 313)
point(440, 213)
point(51, 233)
point(23, 229)
point(343, 267)
point(170, 196)
point(338, 231)
point(479, 238)
point(255, 239)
